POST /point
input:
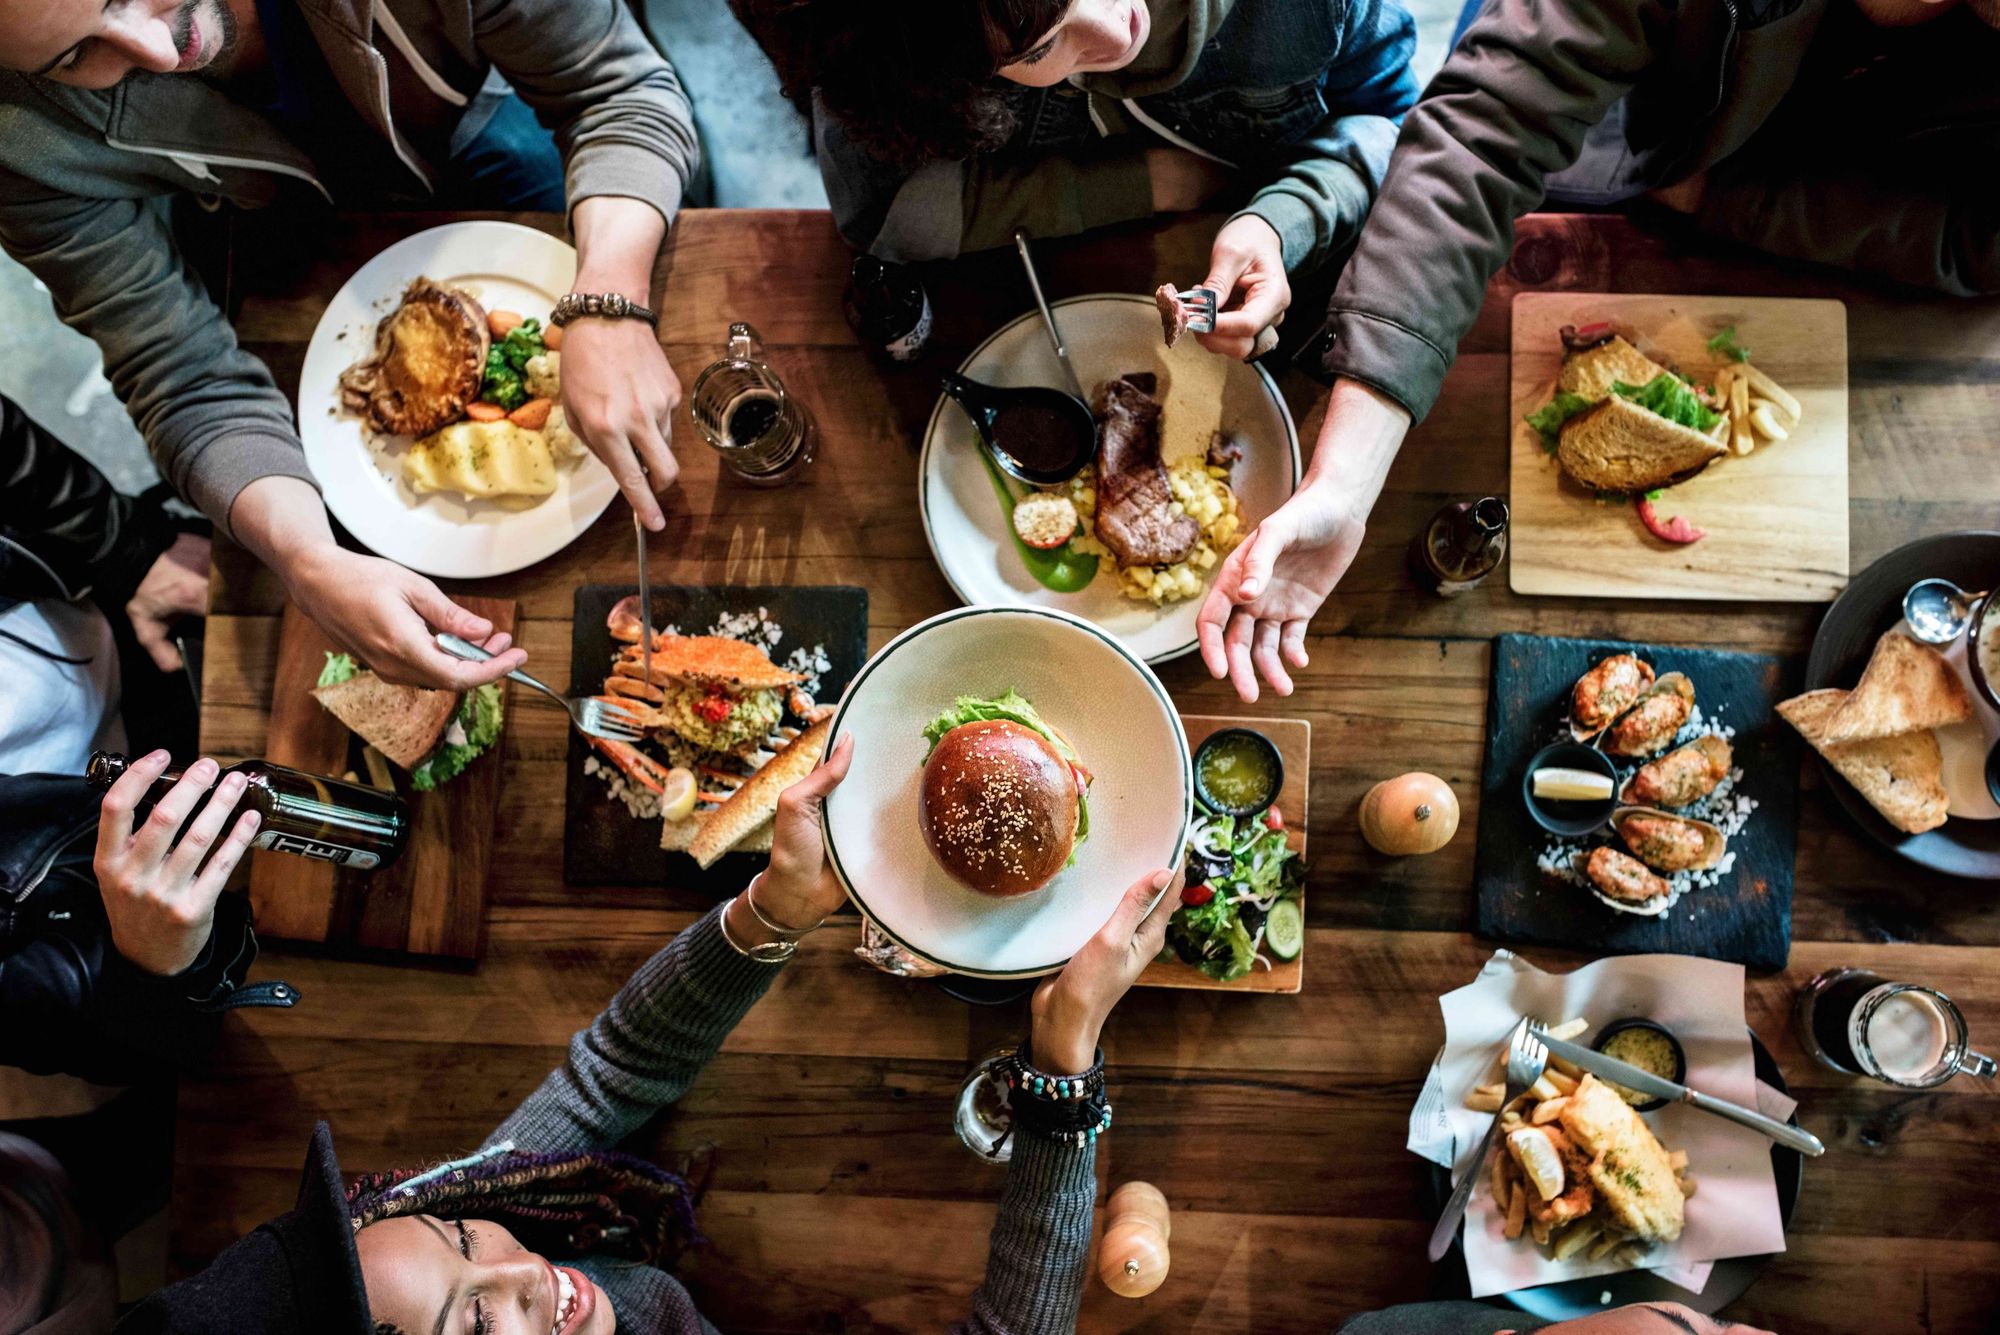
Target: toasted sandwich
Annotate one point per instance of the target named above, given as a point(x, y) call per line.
point(1901, 776)
point(1621, 422)
point(432, 734)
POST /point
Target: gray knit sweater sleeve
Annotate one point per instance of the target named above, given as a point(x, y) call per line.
point(660, 1030)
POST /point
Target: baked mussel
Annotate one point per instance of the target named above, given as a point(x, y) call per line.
point(1682, 776)
point(1669, 843)
point(1650, 725)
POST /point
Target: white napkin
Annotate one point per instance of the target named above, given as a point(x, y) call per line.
point(1734, 1211)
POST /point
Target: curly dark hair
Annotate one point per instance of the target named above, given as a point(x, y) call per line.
point(908, 80)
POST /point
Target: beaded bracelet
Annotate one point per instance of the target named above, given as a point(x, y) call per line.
point(1071, 1109)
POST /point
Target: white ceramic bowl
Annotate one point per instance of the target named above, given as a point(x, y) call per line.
point(507, 267)
point(1087, 684)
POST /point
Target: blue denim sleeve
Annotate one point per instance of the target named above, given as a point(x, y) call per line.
point(1318, 201)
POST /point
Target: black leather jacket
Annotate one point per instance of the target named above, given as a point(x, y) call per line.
point(68, 1000)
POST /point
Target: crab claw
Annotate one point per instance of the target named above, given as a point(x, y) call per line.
point(625, 619)
point(636, 764)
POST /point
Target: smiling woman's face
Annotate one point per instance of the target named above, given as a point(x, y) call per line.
point(1093, 37)
point(471, 1277)
point(95, 43)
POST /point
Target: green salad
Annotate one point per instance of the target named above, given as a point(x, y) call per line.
point(472, 729)
point(1242, 896)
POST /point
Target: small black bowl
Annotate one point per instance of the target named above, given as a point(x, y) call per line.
point(1679, 1075)
point(1269, 748)
point(1993, 771)
point(1571, 819)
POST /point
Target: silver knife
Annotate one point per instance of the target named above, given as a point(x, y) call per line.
point(1645, 1082)
point(1048, 316)
point(645, 604)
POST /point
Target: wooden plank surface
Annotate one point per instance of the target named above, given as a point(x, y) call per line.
point(1293, 738)
point(1775, 519)
point(828, 1107)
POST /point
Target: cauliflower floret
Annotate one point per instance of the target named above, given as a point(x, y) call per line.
point(563, 442)
point(543, 376)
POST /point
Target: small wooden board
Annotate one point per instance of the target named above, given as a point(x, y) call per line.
point(1293, 737)
point(430, 901)
point(1776, 519)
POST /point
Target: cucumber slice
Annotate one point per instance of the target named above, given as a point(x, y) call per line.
point(1285, 930)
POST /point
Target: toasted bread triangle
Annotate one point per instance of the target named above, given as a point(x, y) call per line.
point(1618, 446)
point(754, 803)
point(1592, 373)
point(1902, 777)
point(404, 723)
point(1906, 687)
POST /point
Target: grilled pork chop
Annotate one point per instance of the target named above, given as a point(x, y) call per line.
point(429, 359)
point(1135, 515)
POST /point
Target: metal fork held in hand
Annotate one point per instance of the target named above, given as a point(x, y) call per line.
point(593, 718)
point(1199, 303)
point(1526, 1058)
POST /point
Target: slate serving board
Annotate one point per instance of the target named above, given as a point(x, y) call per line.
point(602, 843)
point(1747, 917)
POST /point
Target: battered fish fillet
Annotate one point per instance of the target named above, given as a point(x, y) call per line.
point(1628, 1166)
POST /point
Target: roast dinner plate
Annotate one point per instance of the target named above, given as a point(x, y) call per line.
point(1109, 335)
point(505, 267)
point(1088, 685)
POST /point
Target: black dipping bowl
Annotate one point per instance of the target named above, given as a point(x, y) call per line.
point(1269, 748)
point(1680, 1071)
point(1572, 820)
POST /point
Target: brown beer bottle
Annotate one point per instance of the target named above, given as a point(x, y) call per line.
point(327, 820)
point(1461, 546)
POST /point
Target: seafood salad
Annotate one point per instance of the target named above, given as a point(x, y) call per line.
point(1678, 803)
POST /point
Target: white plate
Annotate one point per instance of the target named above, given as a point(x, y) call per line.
point(1085, 683)
point(1108, 335)
point(507, 267)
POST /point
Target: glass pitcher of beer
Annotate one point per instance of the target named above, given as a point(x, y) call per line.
point(1860, 1023)
point(762, 433)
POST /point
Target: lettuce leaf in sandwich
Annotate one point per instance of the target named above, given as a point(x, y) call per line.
point(1013, 707)
point(1666, 394)
point(472, 729)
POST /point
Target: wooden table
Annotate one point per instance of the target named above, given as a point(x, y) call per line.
point(1275, 1124)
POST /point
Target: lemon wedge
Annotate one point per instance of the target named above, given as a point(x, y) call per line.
point(1540, 1164)
point(1572, 785)
point(677, 802)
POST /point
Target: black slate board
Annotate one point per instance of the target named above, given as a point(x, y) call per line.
point(602, 843)
point(1747, 917)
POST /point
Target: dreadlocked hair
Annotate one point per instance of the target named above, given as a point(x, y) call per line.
point(573, 1204)
point(910, 81)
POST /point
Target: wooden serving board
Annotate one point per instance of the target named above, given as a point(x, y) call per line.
point(1747, 917)
point(430, 901)
point(1293, 738)
point(1776, 519)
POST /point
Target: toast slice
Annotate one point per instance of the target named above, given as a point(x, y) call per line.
point(404, 723)
point(1906, 687)
point(1592, 372)
point(756, 801)
point(1902, 777)
point(428, 364)
point(1615, 445)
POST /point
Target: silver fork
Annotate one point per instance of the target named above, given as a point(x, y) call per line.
point(1199, 303)
point(593, 718)
point(1526, 1059)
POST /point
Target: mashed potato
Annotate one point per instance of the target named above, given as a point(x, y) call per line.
point(1200, 491)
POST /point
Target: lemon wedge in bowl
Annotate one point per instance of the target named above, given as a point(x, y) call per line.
point(677, 794)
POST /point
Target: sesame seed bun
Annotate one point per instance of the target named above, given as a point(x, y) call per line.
point(999, 808)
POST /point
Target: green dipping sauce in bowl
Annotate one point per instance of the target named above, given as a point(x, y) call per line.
point(1237, 772)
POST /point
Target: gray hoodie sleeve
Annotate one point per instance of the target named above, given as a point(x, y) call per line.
point(211, 415)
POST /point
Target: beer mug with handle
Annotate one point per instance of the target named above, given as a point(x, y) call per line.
point(742, 409)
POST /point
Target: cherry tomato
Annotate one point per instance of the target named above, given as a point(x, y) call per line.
point(1195, 896)
point(1274, 819)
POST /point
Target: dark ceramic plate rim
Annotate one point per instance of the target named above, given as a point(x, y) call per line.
point(1730, 1279)
point(1871, 604)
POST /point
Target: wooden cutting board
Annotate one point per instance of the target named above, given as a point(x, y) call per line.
point(1776, 519)
point(1293, 738)
point(430, 901)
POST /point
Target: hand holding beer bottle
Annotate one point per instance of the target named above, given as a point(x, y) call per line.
point(160, 882)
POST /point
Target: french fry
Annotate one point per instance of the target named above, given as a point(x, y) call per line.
point(1567, 1067)
point(1540, 1230)
point(1740, 439)
point(1630, 1254)
point(1480, 1100)
point(1764, 421)
point(1517, 1215)
point(1511, 1120)
point(1564, 1082)
point(1604, 1246)
point(1547, 1111)
point(1500, 1179)
point(1576, 1238)
point(1542, 1089)
point(1772, 390)
point(1570, 1028)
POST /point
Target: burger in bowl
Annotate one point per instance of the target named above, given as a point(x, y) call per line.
point(1005, 799)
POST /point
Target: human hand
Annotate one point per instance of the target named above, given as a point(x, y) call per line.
point(619, 396)
point(1246, 271)
point(798, 890)
point(1650, 1319)
point(385, 615)
point(1682, 196)
point(176, 585)
point(1069, 1010)
point(158, 895)
point(1183, 181)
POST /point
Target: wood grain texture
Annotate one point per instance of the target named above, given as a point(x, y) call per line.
point(1776, 519)
point(1293, 738)
point(827, 1110)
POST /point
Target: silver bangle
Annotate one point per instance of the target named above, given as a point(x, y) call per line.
point(766, 952)
point(749, 897)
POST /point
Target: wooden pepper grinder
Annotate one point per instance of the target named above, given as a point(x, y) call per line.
point(1133, 1260)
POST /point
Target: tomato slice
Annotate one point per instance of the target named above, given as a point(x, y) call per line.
point(1195, 896)
point(1675, 530)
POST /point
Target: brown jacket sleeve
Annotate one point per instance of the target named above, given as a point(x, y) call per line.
point(1510, 106)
